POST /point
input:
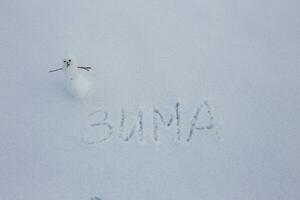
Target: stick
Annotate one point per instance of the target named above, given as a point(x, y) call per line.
point(85, 68)
point(55, 70)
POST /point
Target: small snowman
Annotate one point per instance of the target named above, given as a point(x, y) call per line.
point(77, 84)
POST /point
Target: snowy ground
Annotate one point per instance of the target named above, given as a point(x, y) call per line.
point(236, 60)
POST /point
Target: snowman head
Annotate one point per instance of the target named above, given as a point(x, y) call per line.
point(69, 62)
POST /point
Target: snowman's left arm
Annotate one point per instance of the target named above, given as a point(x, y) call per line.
point(85, 68)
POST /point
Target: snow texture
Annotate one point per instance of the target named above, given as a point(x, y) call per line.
point(195, 100)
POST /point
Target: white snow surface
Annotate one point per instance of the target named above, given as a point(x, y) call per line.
point(240, 58)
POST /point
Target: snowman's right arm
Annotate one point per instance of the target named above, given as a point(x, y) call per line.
point(55, 70)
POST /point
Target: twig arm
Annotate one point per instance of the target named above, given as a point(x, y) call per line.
point(85, 68)
point(55, 70)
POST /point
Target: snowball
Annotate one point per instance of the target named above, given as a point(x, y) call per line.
point(78, 85)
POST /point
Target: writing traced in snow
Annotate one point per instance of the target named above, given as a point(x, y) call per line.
point(201, 115)
point(139, 127)
point(95, 198)
point(157, 115)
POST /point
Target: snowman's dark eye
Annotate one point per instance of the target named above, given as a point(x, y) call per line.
point(69, 60)
point(64, 61)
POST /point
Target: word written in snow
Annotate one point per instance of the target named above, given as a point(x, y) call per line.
point(105, 128)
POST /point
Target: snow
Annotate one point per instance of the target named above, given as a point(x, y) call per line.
point(231, 66)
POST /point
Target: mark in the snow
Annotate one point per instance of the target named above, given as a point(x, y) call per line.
point(202, 121)
point(157, 114)
point(95, 198)
point(108, 126)
point(134, 128)
point(196, 119)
